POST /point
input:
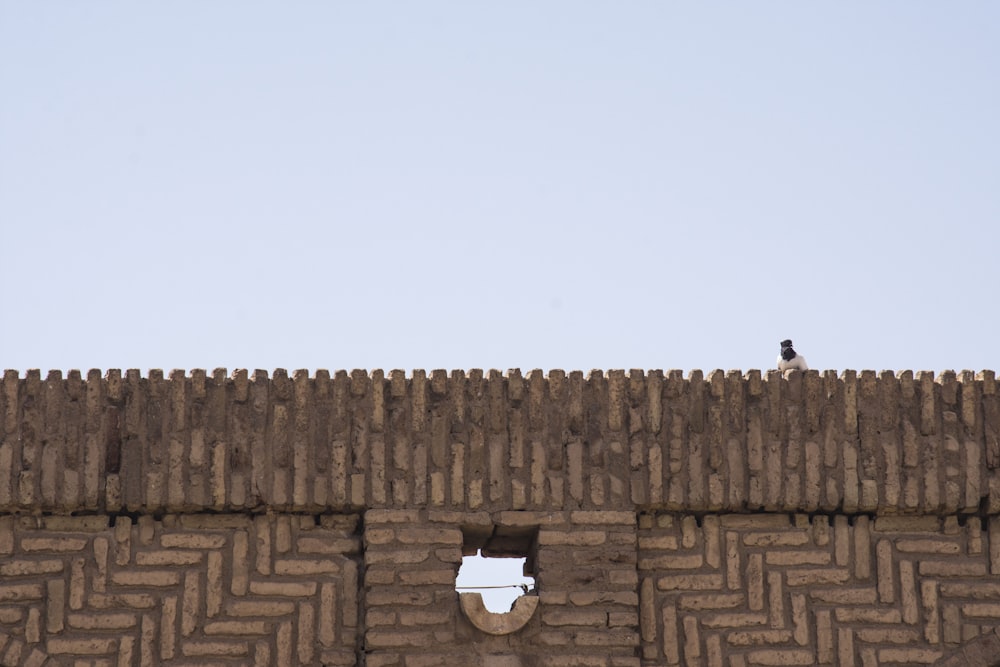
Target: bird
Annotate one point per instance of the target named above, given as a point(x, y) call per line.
point(789, 359)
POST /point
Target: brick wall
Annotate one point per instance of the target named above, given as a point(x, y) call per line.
point(730, 519)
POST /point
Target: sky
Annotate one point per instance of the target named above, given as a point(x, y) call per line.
point(561, 184)
point(569, 185)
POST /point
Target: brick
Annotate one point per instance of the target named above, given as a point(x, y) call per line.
point(328, 604)
point(734, 620)
point(617, 619)
point(574, 538)
point(824, 637)
point(329, 546)
point(690, 582)
point(168, 627)
point(102, 621)
point(665, 542)
point(67, 524)
point(307, 630)
point(190, 603)
point(930, 568)
point(122, 600)
point(20, 592)
point(908, 524)
point(686, 562)
point(580, 617)
point(399, 557)
point(22, 568)
point(602, 518)
point(977, 590)
point(886, 571)
point(759, 637)
point(797, 557)
point(239, 563)
point(158, 558)
point(858, 596)
point(58, 544)
point(388, 639)
point(782, 539)
point(237, 628)
point(717, 601)
point(908, 656)
point(10, 616)
point(292, 589)
point(54, 605)
point(397, 598)
point(33, 626)
point(208, 648)
point(908, 592)
point(607, 638)
point(928, 546)
point(423, 617)
point(585, 598)
point(779, 657)
point(259, 608)
point(305, 567)
point(192, 541)
point(867, 615)
point(981, 609)
point(88, 646)
point(887, 636)
point(6, 528)
point(146, 578)
point(427, 578)
point(814, 577)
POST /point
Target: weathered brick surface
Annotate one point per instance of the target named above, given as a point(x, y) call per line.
point(725, 519)
point(790, 589)
point(179, 589)
point(857, 443)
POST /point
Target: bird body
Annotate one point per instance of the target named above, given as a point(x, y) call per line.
point(789, 359)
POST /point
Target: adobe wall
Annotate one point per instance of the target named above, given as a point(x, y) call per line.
point(734, 519)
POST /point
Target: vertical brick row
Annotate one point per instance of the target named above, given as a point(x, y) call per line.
point(10, 441)
point(439, 448)
point(378, 471)
point(577, 474)
point(231, 445)
point(31, 435)
point(478, 492)
point(54, 479)
point(320, 440)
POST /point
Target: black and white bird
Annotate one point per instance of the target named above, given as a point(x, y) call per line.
point(789, 359)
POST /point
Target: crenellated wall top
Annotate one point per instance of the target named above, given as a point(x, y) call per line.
point(723, 441)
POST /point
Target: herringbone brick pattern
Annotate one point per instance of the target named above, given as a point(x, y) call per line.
point(736, 590)
point(194, 589)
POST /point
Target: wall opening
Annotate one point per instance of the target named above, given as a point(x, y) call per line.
point(498, 564)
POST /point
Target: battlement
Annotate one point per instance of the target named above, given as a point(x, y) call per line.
point(853, 442)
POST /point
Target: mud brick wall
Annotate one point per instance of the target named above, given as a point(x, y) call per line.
point(729, 519)
point(585, 573)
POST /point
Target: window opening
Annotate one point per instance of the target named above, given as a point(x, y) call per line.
point(498, 562)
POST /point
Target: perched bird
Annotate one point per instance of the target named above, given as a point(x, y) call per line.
point(789, 359)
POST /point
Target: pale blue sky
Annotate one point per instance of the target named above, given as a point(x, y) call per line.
point(457, 185)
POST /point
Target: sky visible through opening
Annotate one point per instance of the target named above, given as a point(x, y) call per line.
point(502, 580)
